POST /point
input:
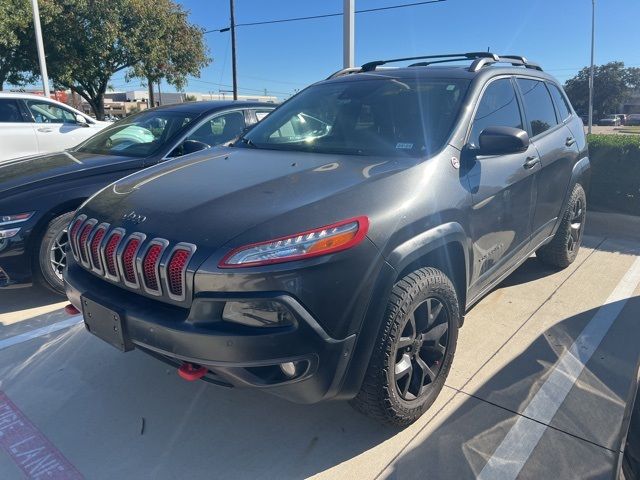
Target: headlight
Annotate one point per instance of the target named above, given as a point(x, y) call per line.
point(320, 241)
point(16, 218)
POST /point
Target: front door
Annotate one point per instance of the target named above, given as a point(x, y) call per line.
point(56, 128)
point(502, 189)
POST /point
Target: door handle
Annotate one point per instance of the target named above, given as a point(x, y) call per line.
point(569, 141)
point(531, 162)
point(44, 129)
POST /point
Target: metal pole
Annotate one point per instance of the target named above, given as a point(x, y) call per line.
point(40, 45)
point(233, 50)
point(591, 73)
point(348, 37)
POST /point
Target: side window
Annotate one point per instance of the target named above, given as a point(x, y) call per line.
point(260, 114)
point(497, 108)
point(10, 111)
point(217, 130)
point(537, 105)
point(561, 102)
point(45, 112)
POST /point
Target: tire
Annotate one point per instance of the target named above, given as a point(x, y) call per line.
point(563, 248)
point(51, 249)
point(389, 395)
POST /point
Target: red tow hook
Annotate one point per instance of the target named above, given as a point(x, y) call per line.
point(71, 310)
point(191, 372)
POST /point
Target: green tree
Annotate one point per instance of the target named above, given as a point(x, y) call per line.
point(612, 84)
point(173, 48)
point(16, 51)
point(88, 41)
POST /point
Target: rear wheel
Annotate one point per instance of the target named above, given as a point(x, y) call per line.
point(52, 255)
point(414, 350)
point(562, 250)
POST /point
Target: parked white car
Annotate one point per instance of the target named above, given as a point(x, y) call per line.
point(31, 124)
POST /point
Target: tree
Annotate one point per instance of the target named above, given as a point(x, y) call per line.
point(88, 41)
point(173, 48)
point(16, 52)
point(612, 85)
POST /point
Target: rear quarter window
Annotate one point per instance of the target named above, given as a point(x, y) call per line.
point(561, 102)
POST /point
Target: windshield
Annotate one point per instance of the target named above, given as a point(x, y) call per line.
point(365, 117)
point(139, 135)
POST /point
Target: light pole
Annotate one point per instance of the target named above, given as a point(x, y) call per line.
point(591, 73)
point(40, 45)
point(233, 50)
point(348, 36)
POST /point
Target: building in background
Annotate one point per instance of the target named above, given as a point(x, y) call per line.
point(121, 104)
point(632, 104)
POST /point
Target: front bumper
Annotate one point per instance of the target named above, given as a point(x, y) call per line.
point(235, 355)
point(15, 262)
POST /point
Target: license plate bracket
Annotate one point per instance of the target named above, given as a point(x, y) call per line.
point(106, 324)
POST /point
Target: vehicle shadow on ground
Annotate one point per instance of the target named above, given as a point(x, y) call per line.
point(16, 299)
point(89, 395)
point(593, 410)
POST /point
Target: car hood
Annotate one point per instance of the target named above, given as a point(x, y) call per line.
point(28, 172)
point(210, 197)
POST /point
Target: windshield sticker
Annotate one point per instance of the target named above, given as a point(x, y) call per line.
point(404, 146)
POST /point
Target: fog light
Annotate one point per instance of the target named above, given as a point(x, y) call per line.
point(289, 369)
point(11, 232)
point(257, 314)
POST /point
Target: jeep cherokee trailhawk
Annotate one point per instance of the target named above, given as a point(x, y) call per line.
point(333, 250)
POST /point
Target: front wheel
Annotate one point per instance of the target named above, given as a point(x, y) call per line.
point(562, 250)
point(52, 254)
point(414, 350)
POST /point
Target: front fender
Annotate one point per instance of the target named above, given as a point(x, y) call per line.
point(414, 248)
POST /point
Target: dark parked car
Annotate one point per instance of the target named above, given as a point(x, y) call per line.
point(39, 194)
point(614, 120)
point(633, 119)
point(334, 250)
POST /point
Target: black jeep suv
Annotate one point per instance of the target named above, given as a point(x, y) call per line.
point(333, 251)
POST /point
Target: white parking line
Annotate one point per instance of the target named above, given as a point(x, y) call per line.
point(515, 449)
point(39, 332)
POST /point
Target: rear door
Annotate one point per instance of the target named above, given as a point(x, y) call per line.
point(56, 127)
point(502, 189)
point(556, 148)
point(17, 135)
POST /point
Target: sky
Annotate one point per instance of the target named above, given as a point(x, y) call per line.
point(285, 57)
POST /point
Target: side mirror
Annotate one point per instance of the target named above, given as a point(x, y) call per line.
point(502, 140)
point(80, 120)
point(192, 146)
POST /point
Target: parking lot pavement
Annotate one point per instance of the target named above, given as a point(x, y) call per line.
point(543, 372)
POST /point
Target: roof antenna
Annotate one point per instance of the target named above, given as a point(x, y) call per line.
point(488, 49)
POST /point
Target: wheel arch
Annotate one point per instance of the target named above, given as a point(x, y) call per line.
point(442, 247)
point(40, 227)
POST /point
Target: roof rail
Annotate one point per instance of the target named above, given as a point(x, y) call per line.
point(480, 60)
point(370, 66)
point(343, 72)
point(515, 60)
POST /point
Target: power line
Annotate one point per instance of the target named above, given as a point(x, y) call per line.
point(326, 15)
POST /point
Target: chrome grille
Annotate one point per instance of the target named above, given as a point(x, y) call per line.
point(128, 259)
